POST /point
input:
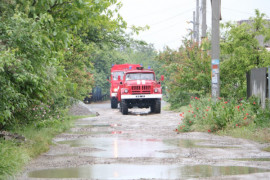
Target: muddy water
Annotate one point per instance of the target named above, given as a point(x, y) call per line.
point(190, 143)
point(126, 171)
point(115, 147)
point(144, 146)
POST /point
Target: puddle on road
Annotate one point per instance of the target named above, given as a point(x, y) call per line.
point(185, 143)
point(114, 147)
point(94, 129)
point(139, 114)
point(127, 171)
point(190, 143)
point(92, 125)
point(252, 159)
point(95, 133)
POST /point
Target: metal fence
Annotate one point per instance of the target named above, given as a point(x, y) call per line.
point(95, 95)
point(258, 84)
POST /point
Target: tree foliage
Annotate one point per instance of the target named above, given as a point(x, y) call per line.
point(48, 51)
point(241, 52)
point(188, 69)
point(188, 72)
point(144, 54)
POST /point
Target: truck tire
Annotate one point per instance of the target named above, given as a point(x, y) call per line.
point(124, 107)
point(114, 103)
point(156, 107)
point(152, 107)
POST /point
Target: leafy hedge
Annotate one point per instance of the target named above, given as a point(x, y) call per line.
point(188, 72)
point(48, 51)
point(205, 115)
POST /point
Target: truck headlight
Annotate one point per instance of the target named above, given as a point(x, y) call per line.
point(115, 89)
point(126, 91)
point(156, 90)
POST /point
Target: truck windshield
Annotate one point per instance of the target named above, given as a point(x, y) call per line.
point(116, 74)
point(140, 76)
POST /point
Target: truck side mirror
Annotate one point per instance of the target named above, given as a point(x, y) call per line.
point(119, 78)
point(162, 78)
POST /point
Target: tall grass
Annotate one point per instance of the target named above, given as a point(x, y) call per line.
point(12, 158)
point(14, 155)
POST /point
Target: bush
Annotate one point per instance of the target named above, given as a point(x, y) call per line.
point(205, 115)
point(188, 71)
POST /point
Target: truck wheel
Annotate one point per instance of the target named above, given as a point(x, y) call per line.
point(157, 106)
point(114, 103)
point(152, 107)
point(124, 107)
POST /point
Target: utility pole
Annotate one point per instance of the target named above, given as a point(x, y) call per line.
point(194, 27)
point(216, 9)
point(197, 21)
point(204, 27)
point(269, 84)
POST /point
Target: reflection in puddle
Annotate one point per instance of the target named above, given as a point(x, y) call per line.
point(127, 171)
point(92, 125)
point(139, 112)
point(90, 132)
point(117, 132)
point(185, 143)
point(114, 147)
point(115, 125)
point(95, 133)
point(188, 143)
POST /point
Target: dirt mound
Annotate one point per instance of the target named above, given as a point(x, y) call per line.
point(80, 109)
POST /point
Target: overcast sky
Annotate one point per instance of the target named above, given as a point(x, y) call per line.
point(168, 18)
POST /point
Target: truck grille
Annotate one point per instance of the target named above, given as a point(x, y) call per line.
point(141, 89)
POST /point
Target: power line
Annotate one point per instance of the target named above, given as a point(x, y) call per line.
point(172, 17)
point(168, 27)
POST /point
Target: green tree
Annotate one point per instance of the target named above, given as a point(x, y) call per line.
point(240, 52)
point(144, 54)
point(188, 72)
point(48, 50)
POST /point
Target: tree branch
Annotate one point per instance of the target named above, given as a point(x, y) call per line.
point(56, 4)
point(34, 2)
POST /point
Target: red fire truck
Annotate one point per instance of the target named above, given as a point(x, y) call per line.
point(139, 88)
point(117, 73)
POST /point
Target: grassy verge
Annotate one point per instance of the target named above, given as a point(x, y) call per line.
point(251, 132)
point(14, 155)
point(267, 149)
point(241, 119)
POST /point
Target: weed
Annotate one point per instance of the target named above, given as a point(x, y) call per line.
point(238, 118)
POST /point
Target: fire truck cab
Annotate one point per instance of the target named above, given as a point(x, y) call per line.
point(139, 88)
point(117, 74)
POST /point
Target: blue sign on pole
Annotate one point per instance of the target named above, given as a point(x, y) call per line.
point(215, 61)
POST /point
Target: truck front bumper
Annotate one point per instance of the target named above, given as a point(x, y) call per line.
point(142, 96)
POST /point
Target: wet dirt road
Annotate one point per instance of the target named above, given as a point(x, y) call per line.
point(141, 145)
